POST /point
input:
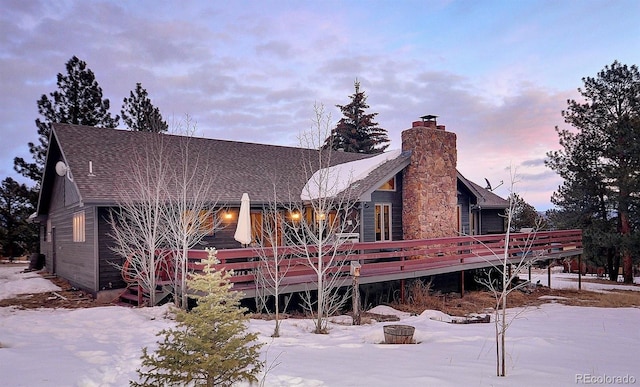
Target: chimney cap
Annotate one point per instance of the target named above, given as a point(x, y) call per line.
point(429, 117)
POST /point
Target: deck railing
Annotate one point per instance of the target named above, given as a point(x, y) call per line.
point(399, 259)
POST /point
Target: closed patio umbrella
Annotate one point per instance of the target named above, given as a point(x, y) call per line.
point(243, 231)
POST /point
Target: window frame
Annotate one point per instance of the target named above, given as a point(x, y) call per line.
point(79, 227)
point(393, 184)
point(382, 223)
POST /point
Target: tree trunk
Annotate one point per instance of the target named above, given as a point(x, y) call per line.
point(627, 260)
point(613, 263)
point(627, 266)
point(276, 329)
point(320, 310)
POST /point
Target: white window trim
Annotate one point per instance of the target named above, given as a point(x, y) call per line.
point(390, 236)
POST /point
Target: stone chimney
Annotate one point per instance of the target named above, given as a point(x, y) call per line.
point(429, 197)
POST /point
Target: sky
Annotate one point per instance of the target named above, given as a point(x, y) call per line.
point(497, 73)
point(547, 345)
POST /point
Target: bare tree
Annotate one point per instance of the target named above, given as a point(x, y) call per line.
point(274, 264)
point(190, 214)
point(137, 225)
point(325, 212)
point(507, 272)
point(164, 209)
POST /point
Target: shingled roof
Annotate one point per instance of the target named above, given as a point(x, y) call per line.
point(99, 160)
point(361, 189)
point(485, 198)
point(234, 167)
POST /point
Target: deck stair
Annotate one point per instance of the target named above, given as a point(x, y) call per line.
point(136, 295)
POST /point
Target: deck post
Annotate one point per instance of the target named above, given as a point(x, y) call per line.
point(529, 273)
point(355, 301)
point(402, 291)
point(462, 283)
point(549, 274)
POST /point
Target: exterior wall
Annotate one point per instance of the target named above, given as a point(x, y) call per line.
point(465, 216)
point(394, 198)
point(109, 276)
point(430, 181)
point(223, 236)
point(492, 222)
point(74, 261)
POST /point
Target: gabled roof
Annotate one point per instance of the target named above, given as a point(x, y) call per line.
point(234, 167)
point(366, 176)
point(363, 188)
point(484, 198)
point(99, 160)
point(357, 179)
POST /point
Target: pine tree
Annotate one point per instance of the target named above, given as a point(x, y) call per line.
point(356, 131)
point(599, 163)
point(524, 215)
point(139, 114)
point(17, 234)
point(210, 345)
point(78, 100)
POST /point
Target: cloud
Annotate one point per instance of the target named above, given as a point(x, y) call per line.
point(251, 71)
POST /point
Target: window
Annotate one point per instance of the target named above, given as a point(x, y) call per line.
point(207, 222)
point(383, 222)
point(389, 185)
point(204, 220)
point(256, 227)
point(78, 227)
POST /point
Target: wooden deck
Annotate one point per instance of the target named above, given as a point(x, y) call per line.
point(387, 261)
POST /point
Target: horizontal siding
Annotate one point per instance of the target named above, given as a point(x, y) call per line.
point(223, 237)
point(367, 224)
point(368, 212)
point(74, 261)
point(109, 276)
point(397, 233)
point(71, 195)
point(463, 202)
point(492, 222)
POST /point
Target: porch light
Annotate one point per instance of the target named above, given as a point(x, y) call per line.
point(295, 215)
point(228, 215)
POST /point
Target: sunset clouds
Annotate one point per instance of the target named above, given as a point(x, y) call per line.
point(497, 74)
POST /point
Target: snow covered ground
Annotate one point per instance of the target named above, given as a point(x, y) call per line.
point(550, 345)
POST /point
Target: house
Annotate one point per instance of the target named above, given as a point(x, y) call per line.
point(412, 193)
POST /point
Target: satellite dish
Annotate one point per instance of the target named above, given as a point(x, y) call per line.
point(61, 168)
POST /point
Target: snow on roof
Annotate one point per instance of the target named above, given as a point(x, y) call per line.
point(328, 182)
